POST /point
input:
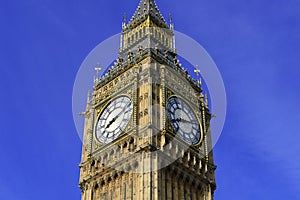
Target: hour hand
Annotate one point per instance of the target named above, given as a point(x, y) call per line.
point(110, 123)
point(184, 121)
point(178, 120)
point(175, 120)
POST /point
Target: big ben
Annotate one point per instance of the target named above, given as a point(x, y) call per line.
point(147, 121)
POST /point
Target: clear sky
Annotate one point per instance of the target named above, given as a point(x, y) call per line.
point(254, 43)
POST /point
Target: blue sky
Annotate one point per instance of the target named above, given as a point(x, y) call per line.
point(254, 43)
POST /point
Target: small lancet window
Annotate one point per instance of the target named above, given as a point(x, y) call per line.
point(146, 95)
point(140, 98)
point(146, 111)
point(141, 114)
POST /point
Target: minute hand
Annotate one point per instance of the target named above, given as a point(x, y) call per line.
point(122, 110)
point(118, 115)
point(186, 121)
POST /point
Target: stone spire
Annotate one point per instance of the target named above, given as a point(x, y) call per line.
point(145, 10)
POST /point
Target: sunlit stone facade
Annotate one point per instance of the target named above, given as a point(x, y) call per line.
point(147, 122)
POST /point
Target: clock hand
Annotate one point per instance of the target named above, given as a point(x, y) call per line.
point(110, 123)
point(178, 120)
point(175, 120)
point(185, 121)
point(117, 116)
point(123, 109)
point(103, 133)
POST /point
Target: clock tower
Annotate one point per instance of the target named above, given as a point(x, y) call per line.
point(147, 122)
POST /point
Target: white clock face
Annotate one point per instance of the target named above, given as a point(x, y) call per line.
point(183, 120)
point(114, 119)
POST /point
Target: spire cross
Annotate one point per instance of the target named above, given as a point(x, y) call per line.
point(197, 70)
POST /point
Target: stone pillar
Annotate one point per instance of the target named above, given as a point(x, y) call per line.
point(117, 189)
point(209, 192)
point(135, 186)
point(175, 188)
point(129, 188)
point(155, 185)
point(162, 187)
point(147, 184)
point(198, 193)
point(88, 193)
point(91, 195)
point(111, 190)
point(97, 193)
point(188, 190)
point(105, 192)
point(194, 192)
point(84, 191)
point(181, 190)
point(123, 187)
point(205, 193)
point(140, 181)
point(120, 188)
point(169, 186)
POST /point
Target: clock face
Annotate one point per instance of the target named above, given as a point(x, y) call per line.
point(183, 120)
point(114, 119)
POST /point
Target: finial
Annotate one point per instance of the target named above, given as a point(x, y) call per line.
point(97, 69)
point(124, 21)
point(200, 82)
point(124, 17)
point(170, 18)
point(89, 97)
point(206, 100)
point(171, 22)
